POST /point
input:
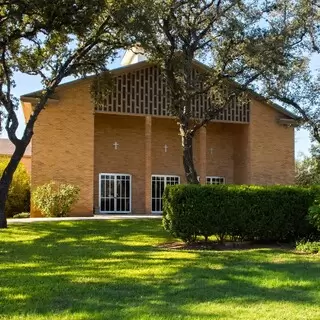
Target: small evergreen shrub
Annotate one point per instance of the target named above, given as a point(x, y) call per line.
point(19, 192)
point(54, 199)
point(308, 246)
point(270, 213)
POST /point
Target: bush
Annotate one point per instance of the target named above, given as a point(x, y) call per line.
point(314, 213)
point(21, 215)
point(19, 192)
point(308, 246)
point(55, 200)
point(272, 213)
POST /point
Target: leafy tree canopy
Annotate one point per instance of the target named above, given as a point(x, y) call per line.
point(308, 168)
point(245, 44)
point(53, 40)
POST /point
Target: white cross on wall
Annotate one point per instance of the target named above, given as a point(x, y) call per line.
point(165, 148)
point(116, 144)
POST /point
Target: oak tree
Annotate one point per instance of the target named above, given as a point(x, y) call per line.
point(53, 40)
point(298, 88)
point(244, 44)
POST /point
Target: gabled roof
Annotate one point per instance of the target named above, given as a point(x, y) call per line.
point(273, 105)
point(120, 70)
point(7, 148)
point(259, 97)
point(143, 64)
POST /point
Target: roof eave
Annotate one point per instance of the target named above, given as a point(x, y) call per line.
point(132, 67)
point(257, 96)
point(290, 122)
point(34, 98)
point(275, 106)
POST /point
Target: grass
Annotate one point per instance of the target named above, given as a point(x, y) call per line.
point(114, 270)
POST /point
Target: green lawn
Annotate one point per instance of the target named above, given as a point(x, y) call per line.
point(113, 270)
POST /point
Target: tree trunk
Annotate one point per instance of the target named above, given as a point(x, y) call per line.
point(3, 197)
point(188, 163)
point(6, 179)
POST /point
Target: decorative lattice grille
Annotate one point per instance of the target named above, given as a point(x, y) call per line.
point(145, 91)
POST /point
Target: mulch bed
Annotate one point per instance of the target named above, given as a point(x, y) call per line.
point(212, 245)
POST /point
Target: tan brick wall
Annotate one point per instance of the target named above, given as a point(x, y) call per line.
point(271, 147)
point(131, 157)
point(241, 159)
point(129, 133)
point(148, 165)
point(71, 145)
point(63, 144)
point(26, 161)
point(220, 161)
point(166, 132)
point(202, 154)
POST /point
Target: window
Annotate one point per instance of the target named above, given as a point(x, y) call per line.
point(159, 182)
point(215, 180)
point(114, 193)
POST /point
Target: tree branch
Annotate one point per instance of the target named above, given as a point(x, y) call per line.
point(12, 120)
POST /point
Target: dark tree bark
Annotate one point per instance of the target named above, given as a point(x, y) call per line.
point(188, 163)
point(7, 176)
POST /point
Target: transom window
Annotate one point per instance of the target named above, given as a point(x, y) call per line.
point(114, 193)
point(159, 182)
point(215, 180)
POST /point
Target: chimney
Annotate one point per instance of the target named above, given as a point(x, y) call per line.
point(133, 55)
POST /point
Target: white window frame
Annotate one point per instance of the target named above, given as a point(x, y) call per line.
point(165, 176)
point(215, 177)
point(115, 182)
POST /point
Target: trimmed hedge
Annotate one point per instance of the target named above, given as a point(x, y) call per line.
point(267, 213)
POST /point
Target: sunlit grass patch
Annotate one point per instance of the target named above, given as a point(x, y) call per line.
point(116, 270)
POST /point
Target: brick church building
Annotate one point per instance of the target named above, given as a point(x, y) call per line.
point(123, 153)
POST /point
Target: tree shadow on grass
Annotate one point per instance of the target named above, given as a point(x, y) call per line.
point(106, 270)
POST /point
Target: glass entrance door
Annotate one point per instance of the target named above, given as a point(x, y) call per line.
point(114, 193)
point(159, 182)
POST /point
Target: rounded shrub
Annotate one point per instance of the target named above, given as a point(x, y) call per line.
point(19, 192)
point(54, 199)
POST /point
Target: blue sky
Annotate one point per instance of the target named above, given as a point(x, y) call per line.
point(26, 84)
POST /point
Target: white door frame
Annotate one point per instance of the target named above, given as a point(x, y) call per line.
point(115, 182)
point(165, 176)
